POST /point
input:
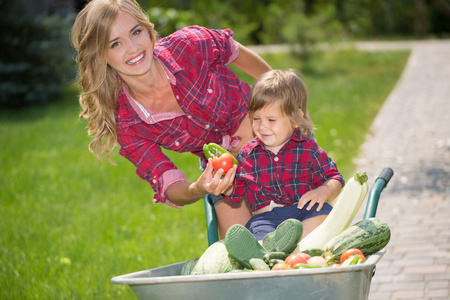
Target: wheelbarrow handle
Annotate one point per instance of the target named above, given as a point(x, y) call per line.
point(375, 191)
point(211, 220)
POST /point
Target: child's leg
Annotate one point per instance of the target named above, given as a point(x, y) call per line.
point(310, 219)
point(262, 224)
point(312, 223)
point(229, 214)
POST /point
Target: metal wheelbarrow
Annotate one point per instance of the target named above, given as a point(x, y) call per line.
point(346, 283)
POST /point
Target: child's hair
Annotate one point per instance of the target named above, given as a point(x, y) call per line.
point(285, 87)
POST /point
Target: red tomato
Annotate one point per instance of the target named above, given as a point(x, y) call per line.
point(225, 162)
point(317, 260)
point(297, 258)
point(281, 266)
point(350, 252)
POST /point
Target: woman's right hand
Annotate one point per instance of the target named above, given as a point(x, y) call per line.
point(214, 182)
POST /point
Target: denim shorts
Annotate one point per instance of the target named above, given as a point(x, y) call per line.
point(262, 224)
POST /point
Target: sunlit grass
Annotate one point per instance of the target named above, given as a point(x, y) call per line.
point(68, 223)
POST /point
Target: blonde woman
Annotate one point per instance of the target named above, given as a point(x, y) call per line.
point(177, 93)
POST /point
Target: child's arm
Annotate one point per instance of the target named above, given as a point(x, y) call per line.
point(327, 191)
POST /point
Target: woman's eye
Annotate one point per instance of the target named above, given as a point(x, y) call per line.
point(115, 44)
point(272, 120)
point(136, 32)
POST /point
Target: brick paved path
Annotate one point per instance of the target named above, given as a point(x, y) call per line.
point(411, 134)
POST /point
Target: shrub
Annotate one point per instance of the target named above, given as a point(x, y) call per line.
point(35, 58)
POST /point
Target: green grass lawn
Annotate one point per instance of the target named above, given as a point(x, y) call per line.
point(69, 224)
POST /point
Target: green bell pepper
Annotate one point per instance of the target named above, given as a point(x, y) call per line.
point(212, 150)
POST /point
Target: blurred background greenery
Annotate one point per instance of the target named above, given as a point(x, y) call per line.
point(35, 60)
point(69, 223)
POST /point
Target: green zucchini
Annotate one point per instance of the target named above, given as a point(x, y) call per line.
point(369, 235)
point(345, 207)
point(188, 266)
point(259, 264)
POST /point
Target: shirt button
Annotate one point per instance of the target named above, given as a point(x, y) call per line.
point(155, 181)
point(276, 158)
point(210, 91)
point(189, 117)
point(177, 143)
point(217, 129)
point(177, 97)
point(207, 126)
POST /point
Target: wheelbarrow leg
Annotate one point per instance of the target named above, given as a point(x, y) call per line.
point(211, 220)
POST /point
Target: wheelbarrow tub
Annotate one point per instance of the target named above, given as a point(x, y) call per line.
point(165, 283)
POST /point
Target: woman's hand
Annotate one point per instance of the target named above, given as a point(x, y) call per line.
point(215, 183)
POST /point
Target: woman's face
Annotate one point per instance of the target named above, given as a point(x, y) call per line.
point(130, 50)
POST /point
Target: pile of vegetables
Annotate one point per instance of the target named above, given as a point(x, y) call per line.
point(334, 243)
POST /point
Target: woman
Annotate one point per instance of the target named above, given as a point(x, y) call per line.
point(175, 93)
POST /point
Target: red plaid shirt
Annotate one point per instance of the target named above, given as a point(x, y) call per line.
point(299, 167)
point(212, 97)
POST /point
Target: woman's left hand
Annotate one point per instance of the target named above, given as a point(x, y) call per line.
point(216, 183)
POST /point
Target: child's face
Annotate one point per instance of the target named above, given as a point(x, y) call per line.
point(272, 127)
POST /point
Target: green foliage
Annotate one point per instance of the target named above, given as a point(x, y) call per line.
point(35, 58)
point(309, 30)
point(168, 20)
point(310, 22)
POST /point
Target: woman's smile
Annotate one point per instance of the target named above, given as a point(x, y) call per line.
point(136, 59)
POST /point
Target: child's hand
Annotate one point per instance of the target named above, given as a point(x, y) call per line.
point(329, 190)
point(317, 195)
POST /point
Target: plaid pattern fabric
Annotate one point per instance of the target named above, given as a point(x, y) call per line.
point(212, 97)
point(299, 167)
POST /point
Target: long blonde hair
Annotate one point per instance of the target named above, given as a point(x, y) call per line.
point(100, 83)
point(287, 88)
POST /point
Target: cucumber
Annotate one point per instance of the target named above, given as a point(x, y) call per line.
point(275, 255)
point(313, 252)
point(188, 266)
point(259, 264)
point(369, 235)
point(274, 261)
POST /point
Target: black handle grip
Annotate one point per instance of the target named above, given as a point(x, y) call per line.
point(386, 174)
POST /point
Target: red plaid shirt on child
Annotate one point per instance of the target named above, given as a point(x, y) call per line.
point(299, 167)
point(213, 99)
